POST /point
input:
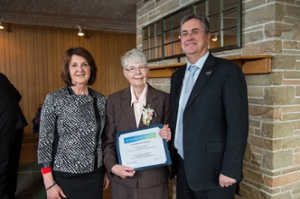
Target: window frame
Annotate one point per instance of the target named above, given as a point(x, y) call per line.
point(171, 32)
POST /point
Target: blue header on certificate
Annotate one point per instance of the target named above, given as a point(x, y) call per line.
point(142, 148)
point(138, 138)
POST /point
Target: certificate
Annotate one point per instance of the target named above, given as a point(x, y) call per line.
point(142, 148)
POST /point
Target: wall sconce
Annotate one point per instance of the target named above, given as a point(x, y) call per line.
point(1, 27)
point(215, 38)
point(80, 33)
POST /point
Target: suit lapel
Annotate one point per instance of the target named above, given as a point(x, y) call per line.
point(176, 86)
point(179, 81)
point(205, 74)
point(127, 108)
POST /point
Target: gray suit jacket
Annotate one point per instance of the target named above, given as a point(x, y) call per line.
point(120, 118)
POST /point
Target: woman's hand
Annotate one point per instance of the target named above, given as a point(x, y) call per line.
point(106, 181)
point(122, 171)
point(165, 132)
point(55, 192)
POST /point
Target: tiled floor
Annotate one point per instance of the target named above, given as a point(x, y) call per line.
point(30, 183)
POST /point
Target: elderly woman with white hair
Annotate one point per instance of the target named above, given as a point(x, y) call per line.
point(124, 113)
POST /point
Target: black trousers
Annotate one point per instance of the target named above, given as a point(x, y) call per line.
point(183, 191)
point(10, 149)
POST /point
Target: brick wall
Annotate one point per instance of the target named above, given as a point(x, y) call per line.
point(272, 27)
point(271, 166)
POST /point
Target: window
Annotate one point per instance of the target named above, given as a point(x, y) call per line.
point(152, 41)
point(161, 39)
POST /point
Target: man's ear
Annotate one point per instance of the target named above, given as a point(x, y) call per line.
point(208, 36)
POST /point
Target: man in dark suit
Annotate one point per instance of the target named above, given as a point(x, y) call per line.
point(210, 122)
point(12, 122)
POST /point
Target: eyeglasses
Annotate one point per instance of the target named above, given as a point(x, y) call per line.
point(194, 33)
point(133, 69)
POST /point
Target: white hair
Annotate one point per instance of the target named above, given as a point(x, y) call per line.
point(133, 56)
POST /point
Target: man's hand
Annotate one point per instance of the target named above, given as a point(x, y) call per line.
point(225, 181)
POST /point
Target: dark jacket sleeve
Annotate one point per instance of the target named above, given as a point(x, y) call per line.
point(11, 115)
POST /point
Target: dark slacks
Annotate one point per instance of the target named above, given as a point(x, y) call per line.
point(183, 191)
point(10, 149)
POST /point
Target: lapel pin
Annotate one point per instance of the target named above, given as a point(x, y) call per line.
point(208, 73)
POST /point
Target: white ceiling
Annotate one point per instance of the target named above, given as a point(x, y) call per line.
point(103, 15)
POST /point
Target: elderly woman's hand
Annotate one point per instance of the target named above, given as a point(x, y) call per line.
point(165, 132)
point(122, 171)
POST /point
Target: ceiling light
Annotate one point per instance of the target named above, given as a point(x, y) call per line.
point(1, 27)
point(215, 38)
point(80, 33)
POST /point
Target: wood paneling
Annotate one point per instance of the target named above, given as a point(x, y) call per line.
point(31, 58)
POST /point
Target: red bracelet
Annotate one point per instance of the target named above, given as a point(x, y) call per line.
point(46, 170)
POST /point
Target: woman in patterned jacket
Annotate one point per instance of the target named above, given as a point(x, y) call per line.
point(71, 125)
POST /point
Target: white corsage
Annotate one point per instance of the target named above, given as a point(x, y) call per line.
point(147, 115)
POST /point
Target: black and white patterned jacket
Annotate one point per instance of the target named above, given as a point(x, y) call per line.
point(71, 120)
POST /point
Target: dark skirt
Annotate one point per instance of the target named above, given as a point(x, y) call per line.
point(81, 186)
